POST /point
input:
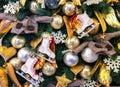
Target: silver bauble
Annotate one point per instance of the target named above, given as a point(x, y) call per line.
point(18, 41)
point(52, 4)
point(88, 55)
point(69, 8)
point(34, 6)
point(23, 54)
point(70, 59)
point(16, 63)
point(48, 69)
point(57, 22)
point(84, 72)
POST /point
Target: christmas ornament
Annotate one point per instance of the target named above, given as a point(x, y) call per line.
point(104, 76)
point(46, 35)
point(62, 81)
point(111, 18)
point(16, 63)
point(3, 78)
point(88, 55)
point(48, 69)
point(59, 37)
point(5, 26)
point(18, 41)
point(89, 83)
point(109, 1)
point(84, 72)
point(76, 69)
point(40, 63)
point(28, 67)
point(70, 59)
point(112, 64)
point(34, 6)
point(12, 7)
point(79, 23)
point(95, 31)
point(11, 72)
point(34, 43)
point(72, 42)
point(52, 4)
point(69, 8)
point(101, 20)
point(91, 2)
point(7, 52)
point(23, 54)
point(22, 2)
point(85, 21)
point(61, 2)
point(26, 84)
point(45, 47)
point(67, 24)
point(77, 2)
point(118, 45)
point(57, 22)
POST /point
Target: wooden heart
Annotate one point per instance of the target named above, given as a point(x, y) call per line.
point(6, 52)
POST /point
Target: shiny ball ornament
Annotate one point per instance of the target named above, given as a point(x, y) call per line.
point(16, 63)
point(70, 59)
point(88, 55)
point(18, 41)
point(23, 54)
point(57, 22)
point(84, 72)
point(48, 69)
point(72, 42)
point(46, 35)
point(34, 6)
point(69, 8)
point(52, 4)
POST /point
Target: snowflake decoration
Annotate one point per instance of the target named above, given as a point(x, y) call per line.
point(112, 64)
point(89, 83)
point(12, 7)
point(59, 37)
point(90, 2)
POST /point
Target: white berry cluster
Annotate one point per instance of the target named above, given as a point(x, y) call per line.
point(59, 37)
point(113, 64)
point(89, 83)
point(90, 2)
point(11, 7)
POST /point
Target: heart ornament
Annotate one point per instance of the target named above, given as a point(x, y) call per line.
point(7, 52)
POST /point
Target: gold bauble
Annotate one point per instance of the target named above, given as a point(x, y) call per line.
point(72, 42)
point(18, 41)
point(34, 6)
point(95, 31)
point(69, 8)
point(46, 35)
point(84, 72)
point(57, 22)
point(16, 63)
point(48, 69)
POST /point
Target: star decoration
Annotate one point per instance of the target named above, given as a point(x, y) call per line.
point(62, 81)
